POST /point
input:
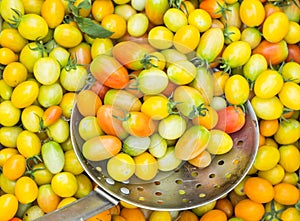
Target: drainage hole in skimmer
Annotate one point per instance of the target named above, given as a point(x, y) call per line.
point(157, 183)
point(179, 181)
point(202, 195)
point(124, 190)
point(141, 198)
point(160, 202)
point(140, 188)
point(158, 193)
point(235, 161)
point(110, 181)
point(198, 185)
point(194, 174)
point(212, 175)
point(228, 175)
point(221, 162)
point(217, 186)
point(185, 200)
point(181, 192)
point(239, 143)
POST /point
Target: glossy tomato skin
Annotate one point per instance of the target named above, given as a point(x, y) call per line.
point(155, 9)
point(213, 7)
point(8, 206)
point(129, 54)
point(274, 53)
point(230, 119)
point(252, 12)
point(211, 44)
point(275, 27)
point(53, 11)
point(109, 71)
point(6, 13)
point(236, 53)
point(67, 35)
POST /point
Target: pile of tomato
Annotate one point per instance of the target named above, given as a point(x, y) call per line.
point(137, 53)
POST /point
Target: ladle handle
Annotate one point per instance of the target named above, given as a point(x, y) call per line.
point(95, 202)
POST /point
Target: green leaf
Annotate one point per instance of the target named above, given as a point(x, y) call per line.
point(91, 28)
point(85, 4)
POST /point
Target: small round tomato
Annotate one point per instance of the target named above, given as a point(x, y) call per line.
point(156, 107)
point(41, 175)
point(25, 94)
point(26, 190)
point(14, 167)
point(81, 54)
point(102, 8)
point(72, 163)
point(137, 24)
point(200, 19)
point(291, 71)
point(230, 119)
point(256, 64)
point(290, 214)
point(85, 185)
point(33, 27)
point(9, 114)
point(288, 132)
point(59, 131)
point(160, 37)
point(121, 167)
point(231, 33)
point(28, 144)
point(8, 206)
point(60, 54)
point(274, 175)
point(139, 124)
point(252, 12)
point(268, 84)
point(7, 56)
point(286, 194)
point(152, 81)
point(209, 119)
point(116, 24)
point(172, 121)
point(292, 37)
point(50, 95)
point(288, 95)
point(219, 143)
point(53, 156)
point(236, 90)
point(89, 128)
point(11, 38)
point(267, 108)
point(64, 184)
point(186, 38)
point(31, 118)
point(101, 46)
point(67, 103)
point(275, 27)
point(289, 158)
point(267, 157)
point(67, 35)
point(214, 7)
point(252, 36)
point(174, 19)
point(182, 72)
point(214, 214)
point(73, 79)
point(46, 70)
point(259, 190)
point(146, 166)
point(47, 199)
point(125, 10)
point(30, 54)
point(236, 54)
point(53, 11)
point(7, 185)
point(249, 209)
point(9, 135)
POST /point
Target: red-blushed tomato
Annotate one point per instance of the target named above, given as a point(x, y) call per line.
point(53, 11)
point(193, 141)
point(106, 117)
point(47, 200)
point(214, 7)
point(275, 53)
point(101, 147)
point(99, 89)
point(155, 10)
point(81, 54)
point(26, 190)
point(131, 54)
point(109, 71)
point(51, 115)
point(293, 53)
point(67, 35)
point(230, 119)
point(14, 167)
point(138, 124)
point(252, 12)
point(275, 27)
point(8, 206)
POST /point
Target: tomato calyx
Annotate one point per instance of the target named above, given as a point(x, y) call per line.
point(176, 3)
point(198, 111)
point(31, 162)
point(273, 214)
point(285, 111)
point(227, 34)
point(15, 21)
point(146, 61)
point(40, 47)
point(86, 25)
